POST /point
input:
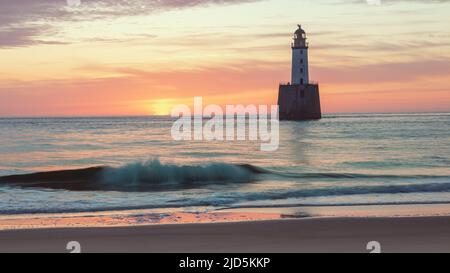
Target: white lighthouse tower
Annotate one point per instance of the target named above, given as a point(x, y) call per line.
point(300, 71)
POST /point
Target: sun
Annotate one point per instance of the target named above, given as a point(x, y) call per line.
point(161, 107)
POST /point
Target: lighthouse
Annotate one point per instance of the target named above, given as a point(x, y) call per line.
point(300, 73)
point(299, 99)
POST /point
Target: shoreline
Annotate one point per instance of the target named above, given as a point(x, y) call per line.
point(317, 235)
point(398, 228)
point(201, 215)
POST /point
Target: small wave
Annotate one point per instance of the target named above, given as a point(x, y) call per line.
point(353, 175)
point(348, 191)
point(332, 204)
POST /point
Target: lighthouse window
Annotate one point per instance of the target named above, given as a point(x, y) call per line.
point(301, 52)
point(301, 61)
point(301, 70)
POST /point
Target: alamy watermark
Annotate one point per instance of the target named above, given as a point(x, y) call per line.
point(73, 247)
point(234, 123)
point(374, 247)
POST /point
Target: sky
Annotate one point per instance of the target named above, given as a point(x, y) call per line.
point(142, 57)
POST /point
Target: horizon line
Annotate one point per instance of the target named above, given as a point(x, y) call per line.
point(153, 115)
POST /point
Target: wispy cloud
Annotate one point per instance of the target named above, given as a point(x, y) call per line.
point(383, 72)
point(25, 36)
point(23, 22)
point(398, 1)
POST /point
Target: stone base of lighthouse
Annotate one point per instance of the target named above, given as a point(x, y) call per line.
point(299, 102)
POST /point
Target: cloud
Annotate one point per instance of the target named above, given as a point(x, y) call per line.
point(400, 1)
point(24, 21)
point(241, 83)
point(369, 87)
point(379, 46)
point(25, 36)
point(419, 1)
point(382, 72)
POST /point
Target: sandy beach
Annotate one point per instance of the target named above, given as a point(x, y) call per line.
point(409, 234)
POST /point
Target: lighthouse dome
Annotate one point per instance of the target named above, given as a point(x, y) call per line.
point(300, 38)
point(300, 31)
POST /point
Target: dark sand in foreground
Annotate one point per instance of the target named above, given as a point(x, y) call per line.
point(426, 234)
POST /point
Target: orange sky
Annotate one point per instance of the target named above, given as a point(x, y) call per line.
point(105, 57)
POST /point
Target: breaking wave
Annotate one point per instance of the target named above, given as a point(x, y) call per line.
point(154, 175)
point(144, 176)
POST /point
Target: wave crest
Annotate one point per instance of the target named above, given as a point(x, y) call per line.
point(153, 175)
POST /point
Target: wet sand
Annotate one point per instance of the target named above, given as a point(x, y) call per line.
point(409, 234)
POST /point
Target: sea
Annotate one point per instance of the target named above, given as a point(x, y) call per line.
point(340, 160)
